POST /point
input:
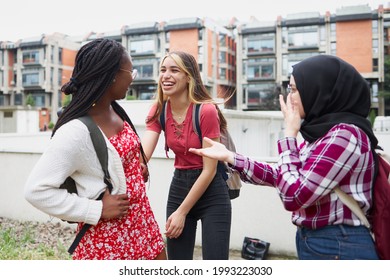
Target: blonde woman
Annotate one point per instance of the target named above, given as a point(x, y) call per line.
point(197, 191)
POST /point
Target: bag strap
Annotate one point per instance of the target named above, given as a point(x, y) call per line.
point(221, 166)
point(196, 121)
point(99, 143)
point(162, 123)
point(351, 203)
point(162, 115)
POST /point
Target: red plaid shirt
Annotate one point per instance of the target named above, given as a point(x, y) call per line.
point(305, 176)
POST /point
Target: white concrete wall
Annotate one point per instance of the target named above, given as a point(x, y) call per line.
point(258, 212)
point(22, 121)
point(27, 121)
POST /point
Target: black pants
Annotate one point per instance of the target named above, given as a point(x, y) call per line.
point(213, 209)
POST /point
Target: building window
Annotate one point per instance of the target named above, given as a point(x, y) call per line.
point(30, 57)
point(375, 46)
point(222, 73)
point(374, 27)
point(262, 44)
point(39, 100)
point(222, 57)
point(323, 36)
point(333, 48)
point(52, 54)
point(375, 65)
point(200, 34)
point(374, 92)
point(146, 92)
point(222, 40)
point(145, 68)
point(260, 69)
point(59, 104)
point(333, 30)
point(303, 37)
point(167, 37)
point(30, 79)
point(59, 55)
point(262, 96)
point(145, 71)
point(284, 37)
point(18, 99)
point(59, 77)
point(142, 46)
point(51, 75)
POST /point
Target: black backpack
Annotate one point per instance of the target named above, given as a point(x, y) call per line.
point(231, 176)
point(101, 150)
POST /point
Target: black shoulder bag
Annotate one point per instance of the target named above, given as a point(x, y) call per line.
point(101, 151)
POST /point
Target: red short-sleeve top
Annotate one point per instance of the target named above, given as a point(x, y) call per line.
point(181, 137)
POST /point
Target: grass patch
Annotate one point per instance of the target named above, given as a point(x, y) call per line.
point(23, 243)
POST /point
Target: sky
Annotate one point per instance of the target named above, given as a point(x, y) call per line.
point(25, 18)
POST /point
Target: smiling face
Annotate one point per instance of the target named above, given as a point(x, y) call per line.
point(173, 80)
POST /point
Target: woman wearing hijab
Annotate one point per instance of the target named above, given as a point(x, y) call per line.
point(328, 103)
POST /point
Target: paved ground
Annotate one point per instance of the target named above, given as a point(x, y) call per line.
point(236, 255)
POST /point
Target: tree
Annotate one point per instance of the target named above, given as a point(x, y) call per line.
point(66, 100)
point(30, 100)
point(385, 91)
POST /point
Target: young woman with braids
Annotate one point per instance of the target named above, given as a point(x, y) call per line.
point(197, 191)
point(124, 226)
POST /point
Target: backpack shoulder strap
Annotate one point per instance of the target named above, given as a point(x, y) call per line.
point(163, 115)
point(351, 203)
point(163, 120)
point(99, 143)
point(196, 121)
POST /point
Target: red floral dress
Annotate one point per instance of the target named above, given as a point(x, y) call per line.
point(136, 236)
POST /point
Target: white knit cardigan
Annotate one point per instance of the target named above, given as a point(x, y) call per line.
point(71, 153)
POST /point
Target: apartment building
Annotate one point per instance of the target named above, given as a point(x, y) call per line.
point(250, 61)
point(268, 50)
point(32, 71)
point(212, 45)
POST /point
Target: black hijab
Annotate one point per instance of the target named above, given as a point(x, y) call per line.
point(332, 92)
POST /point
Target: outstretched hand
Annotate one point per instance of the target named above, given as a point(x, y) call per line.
point(216, 151)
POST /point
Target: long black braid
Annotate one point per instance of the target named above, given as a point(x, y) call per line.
point(97, 63)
